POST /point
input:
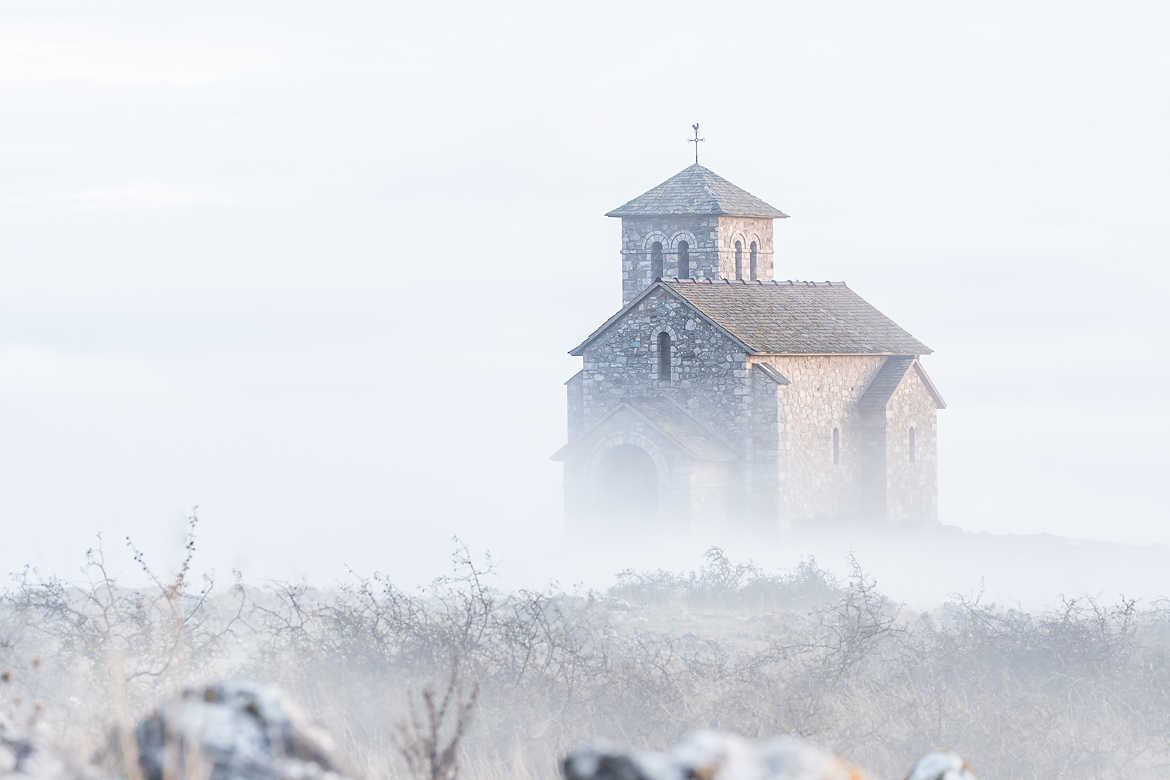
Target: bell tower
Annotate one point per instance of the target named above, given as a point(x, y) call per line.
point(695, 225)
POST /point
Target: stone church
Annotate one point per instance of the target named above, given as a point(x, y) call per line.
point(719, 394)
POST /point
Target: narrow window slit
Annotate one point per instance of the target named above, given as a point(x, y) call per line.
point(664, 357)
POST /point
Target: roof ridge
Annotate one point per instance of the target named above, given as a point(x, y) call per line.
point(758, 282)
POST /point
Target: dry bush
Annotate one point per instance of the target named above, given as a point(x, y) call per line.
point(724, 584)
point(1080, 690)
point(429, 741)
point(112, 650)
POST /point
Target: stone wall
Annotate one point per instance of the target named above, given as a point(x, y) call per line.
point(673, 473)
point(746, 230)
point(711, 242)
point(764, 449)
point(639, 234)
point(782, 433)
point(911, 486)
point(822, 395)
point(871, 489)
point(708, 369)
point(576, 404)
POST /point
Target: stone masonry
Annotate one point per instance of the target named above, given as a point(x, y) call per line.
point(718, 398)
point(710, 245)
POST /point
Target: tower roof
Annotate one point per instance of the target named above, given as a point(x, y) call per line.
point(697, 190)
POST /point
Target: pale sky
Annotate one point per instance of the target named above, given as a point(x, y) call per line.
point(316, 267)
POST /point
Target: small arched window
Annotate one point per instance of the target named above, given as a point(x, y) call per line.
point(684, 260)
point(664, 357)
point(912, 445)
point(836, 446)
point(656, 260)
point(752, 262)
point(738, 260)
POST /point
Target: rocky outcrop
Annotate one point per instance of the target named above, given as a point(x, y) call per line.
point(227, 731)
point(246, 731)
point(713, 756)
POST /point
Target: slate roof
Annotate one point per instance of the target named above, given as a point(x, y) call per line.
point(697, 190)
point(887, 379)
point(885, 382)
point(817, 318)
point(771, 373)
point(797, 317)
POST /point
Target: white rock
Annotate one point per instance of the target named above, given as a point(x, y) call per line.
point(709, 755)
point(229, 731)
point(941, 765)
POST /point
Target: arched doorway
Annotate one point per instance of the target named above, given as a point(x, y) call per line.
point(627, 483)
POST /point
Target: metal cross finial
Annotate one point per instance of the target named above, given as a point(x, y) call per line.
point(696, 141)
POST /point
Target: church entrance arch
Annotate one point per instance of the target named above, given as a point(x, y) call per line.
point(627, 483)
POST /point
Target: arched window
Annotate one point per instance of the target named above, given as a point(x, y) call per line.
point(912, 445)
point(752, 261)
point(664, 357)
point(836, 446)
point(738, 260)
point(656, 260)
point(684, 260)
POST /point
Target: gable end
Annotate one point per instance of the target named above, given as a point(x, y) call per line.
point(579, 350)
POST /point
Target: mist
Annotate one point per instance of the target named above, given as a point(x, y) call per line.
point(312, 275)
point(321, 271)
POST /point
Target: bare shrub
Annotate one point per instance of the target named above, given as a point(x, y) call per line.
point(1079, 690)
point(119, 647)
point(429, 742)
point(726, 584)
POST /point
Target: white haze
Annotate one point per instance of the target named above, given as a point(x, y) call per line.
point(316, 268)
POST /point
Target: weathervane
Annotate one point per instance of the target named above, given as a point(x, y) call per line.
point(696, 141)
